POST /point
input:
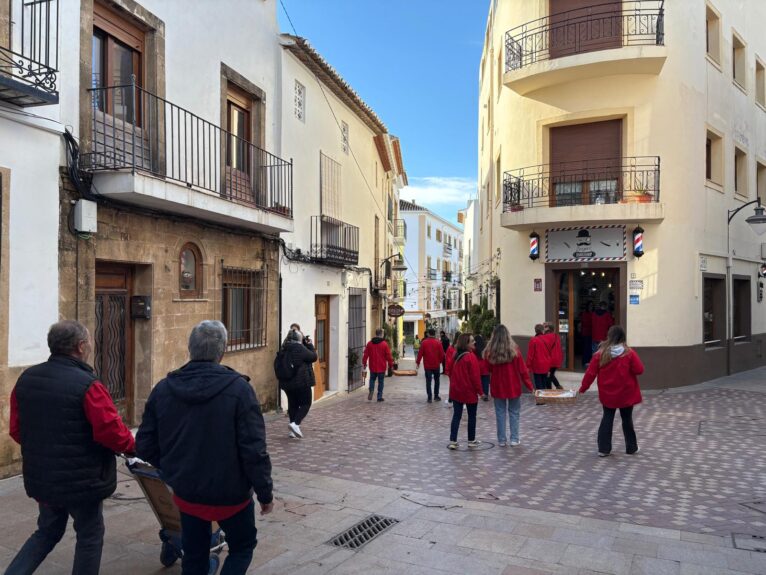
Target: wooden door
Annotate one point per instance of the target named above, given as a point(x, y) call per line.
point(113, 337)
point(322, 340)
point(578, 26)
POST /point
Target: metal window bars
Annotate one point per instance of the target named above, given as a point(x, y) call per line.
point(400, 229)
point(244, 307)
point(597, 27)
point(334, 242)
point(137, 130)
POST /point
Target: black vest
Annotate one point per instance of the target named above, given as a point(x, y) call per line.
point(62, 464)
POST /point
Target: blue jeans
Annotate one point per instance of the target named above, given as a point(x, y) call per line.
point(240, 537)
point(51, 524)
point(513, 408)
point(381, 378)
point(432, 374)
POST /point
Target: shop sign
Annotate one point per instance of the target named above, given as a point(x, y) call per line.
point(538, 284)
point(395, 310)
point(586, 244)
point(634, 299)
point(703, 263)
point(636, 285)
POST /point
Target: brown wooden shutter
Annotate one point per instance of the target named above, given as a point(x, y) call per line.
point(579, 26)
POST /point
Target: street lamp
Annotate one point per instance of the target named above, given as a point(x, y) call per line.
point(758, 223)
point(398, 266)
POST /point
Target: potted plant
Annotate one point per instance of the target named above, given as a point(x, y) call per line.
point(353, 361)
point(395, 354)
point(516, 207)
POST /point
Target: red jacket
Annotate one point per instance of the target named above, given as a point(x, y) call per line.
point(586, 323)
point(508, 377)
point(431, 353)
point(483, 366)
point(465, 379)
point(450, 357)
point(538, 357)
point(601, 325)
point(553, 345)
point(617, 381)
point(378, 354)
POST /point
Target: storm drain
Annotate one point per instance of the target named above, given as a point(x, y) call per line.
point(363, 532)
point(749, 542)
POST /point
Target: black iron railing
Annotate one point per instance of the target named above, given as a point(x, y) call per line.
point(587, 182)
point(431, 273)
point(29, 54)
point(334, 242)
point(135, 129)
point(400, 229)
point(447, 251)
point(447, 276)
point(597, 27)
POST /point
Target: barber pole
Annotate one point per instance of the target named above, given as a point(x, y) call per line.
point(638, 242)
point(534, 246)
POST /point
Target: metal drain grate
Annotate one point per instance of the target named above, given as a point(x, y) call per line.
point(363, 532)
point(748, 542)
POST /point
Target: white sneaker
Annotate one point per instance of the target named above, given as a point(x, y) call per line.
point(635, 452)
point(502, 444)
point(515, 443)
point(474, 443)
point(295, 429)
point(453, 445)
point(293, 436)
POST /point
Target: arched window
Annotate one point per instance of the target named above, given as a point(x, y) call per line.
point(190, 271)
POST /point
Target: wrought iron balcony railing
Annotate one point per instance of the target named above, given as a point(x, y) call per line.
point(597, 27)
point(29, 53)
point(135, 129)
point(581, 183)
point(334, 242)
point(447, 251)
point(447, 276)
point(431, 273)
point(400, 230)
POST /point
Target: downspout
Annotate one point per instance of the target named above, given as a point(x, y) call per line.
point(279, 339)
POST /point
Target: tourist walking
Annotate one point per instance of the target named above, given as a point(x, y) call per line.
point(294, 370)
point(506, 365)
point(538, 358)
point(553, 345)
point(617, 368)
point(203, 428)
point(601, 321)
point(464, 389)
point(483, 365)
point(445, 346)
point(416, 344)
point(431, 354)
point(378, 354)
point(69, 430)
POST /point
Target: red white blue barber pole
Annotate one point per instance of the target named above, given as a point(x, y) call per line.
point(534, 246)
point(638, 242)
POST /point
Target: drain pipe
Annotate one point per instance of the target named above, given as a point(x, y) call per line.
point(279, 340)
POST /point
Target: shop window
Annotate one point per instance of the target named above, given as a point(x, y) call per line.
point(760, 82)
point(740, 172)
point(190, 271)
point(244, 308)
point(714, 311)
point(714, 158)
point(741, 300)
point(713, 34)
point(738, 61)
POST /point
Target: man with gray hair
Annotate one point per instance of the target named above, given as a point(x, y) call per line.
point(203, 428)
point(69, 430)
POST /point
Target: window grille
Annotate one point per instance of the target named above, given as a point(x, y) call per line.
point(344, 136)
point(300, 101)
point(329, 176)
point(244, 307)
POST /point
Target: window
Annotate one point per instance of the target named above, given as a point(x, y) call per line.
point(190, 271)
point(438, 235)
point(499, 71)
point(428, 265)
point(428, 233)
point(344, 136)
point(300, 101)
point(760, 82)
point(713, 34)
point(498, 181)
point(116, 54)
point(714, 311)
point(740, 172)
point(714, 158)
point(329, 187)
point(738, 61)
point(238, 124)
point(760, 179)
point(244, 307)
point(741, 307)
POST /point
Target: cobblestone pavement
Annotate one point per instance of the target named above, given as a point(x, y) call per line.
point(494, 511)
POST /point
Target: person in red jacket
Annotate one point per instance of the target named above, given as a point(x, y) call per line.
point(450, 355)
point(379, 355)
point(616, 366)
point(601, 321)
point(508, 371)
point(431, 353)
point(464, 389)
point(538, 358)
point(483, 365)
point(553, 345)
point(586, 334)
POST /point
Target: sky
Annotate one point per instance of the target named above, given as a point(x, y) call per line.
point(416, 63)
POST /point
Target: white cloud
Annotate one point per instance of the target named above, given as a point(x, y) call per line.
point(442, 195)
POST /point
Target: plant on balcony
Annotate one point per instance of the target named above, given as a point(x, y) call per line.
point(516, 207)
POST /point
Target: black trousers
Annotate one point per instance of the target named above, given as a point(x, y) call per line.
point(298, 404)
point(605, 430)
point(541, 381)
point(457, 415)
point(552, 379)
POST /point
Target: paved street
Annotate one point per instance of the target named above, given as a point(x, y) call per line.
point(550, 506)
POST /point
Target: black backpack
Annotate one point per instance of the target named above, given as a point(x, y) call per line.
point(284, 368)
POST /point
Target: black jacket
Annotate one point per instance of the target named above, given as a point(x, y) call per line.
point(62, 464)
point(302, 355)
point(203, 429)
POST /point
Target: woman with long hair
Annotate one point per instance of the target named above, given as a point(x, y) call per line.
point(464, 389)
point(508, 372)
point(616, 367)
point(483, 365)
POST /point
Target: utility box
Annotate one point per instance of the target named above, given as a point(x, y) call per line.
point(86, 216)
point(141, 307)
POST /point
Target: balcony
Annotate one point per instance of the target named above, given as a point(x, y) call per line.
point(447, 251)
point(400, 232)
point(147, 151)
point(588, 191)
point(334, 242)
point(431, 274)
point(600, 40)
point(447, 276)
point(29, 53)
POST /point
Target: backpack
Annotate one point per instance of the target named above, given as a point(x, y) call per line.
point(284, 368)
